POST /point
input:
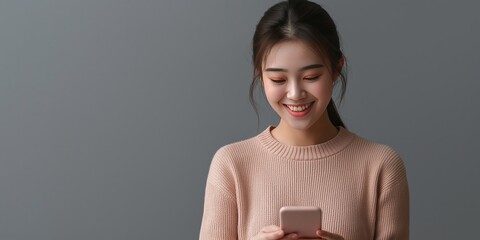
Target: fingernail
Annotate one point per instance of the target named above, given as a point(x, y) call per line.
point(294, 236)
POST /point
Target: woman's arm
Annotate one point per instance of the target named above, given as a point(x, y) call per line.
point(219, 220)
point(393, 208)
point(219, 215)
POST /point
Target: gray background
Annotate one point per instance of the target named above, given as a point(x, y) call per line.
point(110, 111)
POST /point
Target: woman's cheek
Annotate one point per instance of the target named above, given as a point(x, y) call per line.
point(322, 90)
point(274, 93)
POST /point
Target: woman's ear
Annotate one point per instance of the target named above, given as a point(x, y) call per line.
point(340, 64)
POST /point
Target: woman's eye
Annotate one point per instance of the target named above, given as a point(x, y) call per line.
point(312, 78)
point(277, 80)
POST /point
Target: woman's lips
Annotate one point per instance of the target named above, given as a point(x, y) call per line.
point(299, 110)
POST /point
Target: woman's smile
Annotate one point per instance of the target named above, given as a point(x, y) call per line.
point(299, 110)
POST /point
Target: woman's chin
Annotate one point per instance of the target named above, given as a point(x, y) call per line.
point(298, 125)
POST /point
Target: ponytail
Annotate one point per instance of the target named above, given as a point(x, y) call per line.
point(333, 115)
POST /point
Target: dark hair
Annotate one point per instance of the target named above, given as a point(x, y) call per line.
point(298, 20)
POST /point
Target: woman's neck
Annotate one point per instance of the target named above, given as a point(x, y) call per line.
point(320, 132)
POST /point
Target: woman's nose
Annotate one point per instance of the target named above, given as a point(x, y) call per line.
point(295, 91)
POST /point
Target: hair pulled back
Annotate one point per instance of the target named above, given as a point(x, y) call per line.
point(298, 20)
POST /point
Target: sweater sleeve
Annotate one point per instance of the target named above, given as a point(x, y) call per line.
point(393, 200)
point(219, 221)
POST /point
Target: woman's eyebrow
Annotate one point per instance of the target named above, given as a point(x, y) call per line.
point(301, 69)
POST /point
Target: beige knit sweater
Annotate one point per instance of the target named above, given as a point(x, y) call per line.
point(361, 187)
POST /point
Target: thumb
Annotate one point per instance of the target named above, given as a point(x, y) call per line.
point(328, 235)
point(270, 228)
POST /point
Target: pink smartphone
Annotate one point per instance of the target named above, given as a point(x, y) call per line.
point(303, 220)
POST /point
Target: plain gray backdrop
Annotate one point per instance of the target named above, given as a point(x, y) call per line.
point(111, 110)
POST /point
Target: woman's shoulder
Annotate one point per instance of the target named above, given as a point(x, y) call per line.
point(229, 157)
point(384, 156)
point(372, 147)
point(238, 149)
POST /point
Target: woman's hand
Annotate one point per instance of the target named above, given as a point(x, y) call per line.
point(273, 232)
point(328, 235)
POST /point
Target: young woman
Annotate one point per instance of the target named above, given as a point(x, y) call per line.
point(309, 158)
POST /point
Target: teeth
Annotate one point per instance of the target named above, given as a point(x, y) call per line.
point(299, 108)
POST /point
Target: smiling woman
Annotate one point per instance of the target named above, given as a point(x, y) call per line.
point(299, 88)
point(309, 159)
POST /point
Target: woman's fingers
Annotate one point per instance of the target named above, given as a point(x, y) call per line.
point(271, 228)
point(328, 235)
point(273, 235)
point(290, 236)
point(274, 232)
point(271, 232)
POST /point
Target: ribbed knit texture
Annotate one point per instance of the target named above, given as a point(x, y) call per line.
point(361, 187)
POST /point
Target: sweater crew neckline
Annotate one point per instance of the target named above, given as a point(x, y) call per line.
point(310, 152)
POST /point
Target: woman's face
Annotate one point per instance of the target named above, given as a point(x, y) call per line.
point(298, 84)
